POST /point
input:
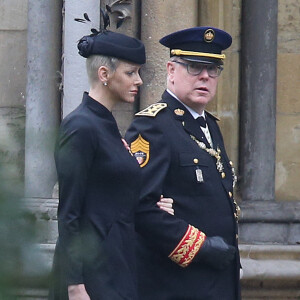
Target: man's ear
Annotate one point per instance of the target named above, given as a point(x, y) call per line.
point(170, 70)
point(103, 74)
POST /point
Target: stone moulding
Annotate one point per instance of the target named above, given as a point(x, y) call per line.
point(270, 211)
point(270, 250)
point(270, 271)
point(270, 222)
point(42, 208)
point(270, 262)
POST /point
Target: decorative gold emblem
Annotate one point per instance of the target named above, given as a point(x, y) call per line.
point(179, 112)
point(219, 165)
point(237, 209)
point(152, 110)
point(212, 152)
point(140, 149)
point(209, 35)
point(188, 247)
point(234, 177)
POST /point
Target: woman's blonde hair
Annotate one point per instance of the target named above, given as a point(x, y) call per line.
point(94, 62)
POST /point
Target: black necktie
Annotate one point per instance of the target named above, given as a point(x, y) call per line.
point(201, 121)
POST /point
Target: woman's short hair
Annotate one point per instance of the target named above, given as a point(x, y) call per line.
point(94, 62)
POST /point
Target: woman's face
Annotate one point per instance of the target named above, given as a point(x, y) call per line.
point(124, 82)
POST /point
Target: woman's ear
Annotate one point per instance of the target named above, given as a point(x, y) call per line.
point(103, 74)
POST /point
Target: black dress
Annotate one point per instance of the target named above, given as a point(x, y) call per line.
point(98, 193)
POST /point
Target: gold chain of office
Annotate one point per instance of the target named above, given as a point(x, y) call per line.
point(217, 155)
point(212, 152)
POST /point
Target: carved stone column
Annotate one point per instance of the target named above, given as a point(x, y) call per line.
point(43, 99)
point(75, 80)
point(43, 96)
point(258, 100)
point(226, 15)
point(158, 19)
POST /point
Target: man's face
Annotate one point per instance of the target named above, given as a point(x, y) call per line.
point(196, 91)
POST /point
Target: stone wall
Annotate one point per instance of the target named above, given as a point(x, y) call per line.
point(271, 271)
point(13, 26)
point(13, 38)
point(288, 102)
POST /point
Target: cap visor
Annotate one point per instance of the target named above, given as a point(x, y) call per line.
point(202, 59)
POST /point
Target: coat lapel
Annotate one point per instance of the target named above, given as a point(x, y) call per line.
point(218, 142)
point(213, 130)
point(181, 114)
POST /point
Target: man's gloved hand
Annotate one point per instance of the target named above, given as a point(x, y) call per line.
point(216, 253)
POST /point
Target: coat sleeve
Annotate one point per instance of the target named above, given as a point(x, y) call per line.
point(172, 236)
point(73, 156)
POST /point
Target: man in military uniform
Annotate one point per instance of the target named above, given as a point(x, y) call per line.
point(180, 149)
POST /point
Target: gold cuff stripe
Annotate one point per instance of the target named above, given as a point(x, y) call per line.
point(182, 52)
point(188, 247)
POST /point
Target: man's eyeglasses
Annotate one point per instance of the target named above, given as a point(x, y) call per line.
point(196, 68)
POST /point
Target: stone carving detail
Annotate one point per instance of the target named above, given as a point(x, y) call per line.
point(122, 10)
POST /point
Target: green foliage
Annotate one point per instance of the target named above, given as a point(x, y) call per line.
point(19, 259)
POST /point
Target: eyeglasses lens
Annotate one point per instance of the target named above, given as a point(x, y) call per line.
point(196, 69)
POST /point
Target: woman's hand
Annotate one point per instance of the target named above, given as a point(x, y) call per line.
point(78, 292)
point(166, 204)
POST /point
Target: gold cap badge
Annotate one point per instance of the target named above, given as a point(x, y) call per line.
point(209, 35)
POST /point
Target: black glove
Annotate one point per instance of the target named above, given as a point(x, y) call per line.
point(216, 253)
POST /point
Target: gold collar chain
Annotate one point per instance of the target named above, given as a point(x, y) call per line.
point(217, 155)
point(212, 152)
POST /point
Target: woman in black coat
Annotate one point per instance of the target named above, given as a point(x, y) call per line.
point(98, 179)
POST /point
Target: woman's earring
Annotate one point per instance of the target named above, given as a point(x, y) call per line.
point(105, 83)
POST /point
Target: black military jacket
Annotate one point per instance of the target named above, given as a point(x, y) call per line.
point(98, 195)
point(166, 140)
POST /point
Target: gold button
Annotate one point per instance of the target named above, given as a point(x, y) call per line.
point(231, 163)
point(223, 175)
point(196, 160)
point(236, 236)
point(230, 194)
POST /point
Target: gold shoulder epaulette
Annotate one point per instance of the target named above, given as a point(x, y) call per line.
point(152, 110)
point(215, 117)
